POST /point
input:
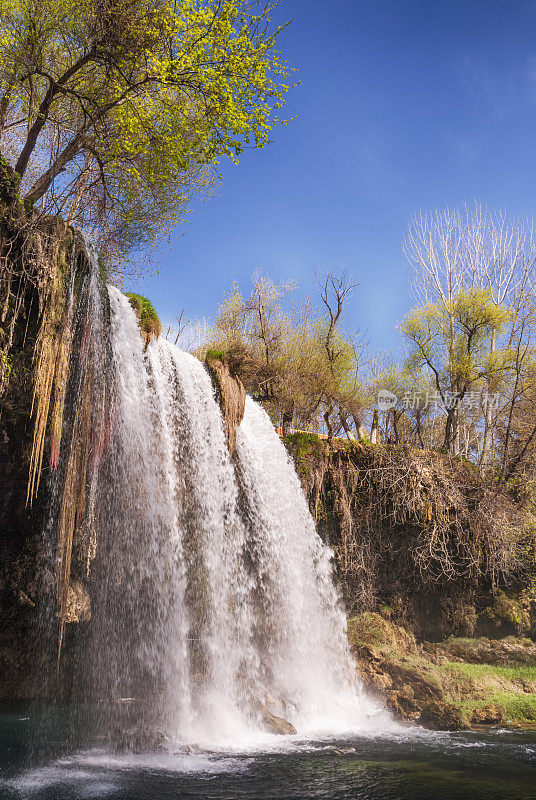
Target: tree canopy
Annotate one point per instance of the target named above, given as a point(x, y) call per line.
point(114, 112)
point(298, 362)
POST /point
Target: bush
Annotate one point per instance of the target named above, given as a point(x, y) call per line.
point(147, 317)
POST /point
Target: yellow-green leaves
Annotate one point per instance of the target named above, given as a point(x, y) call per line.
point(131, 102)
point(453, 339)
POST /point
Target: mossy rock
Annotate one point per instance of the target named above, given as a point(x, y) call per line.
point(307, 450)
point(214, 355)
point(507, 615)
point(147, 317)
point(369, 628)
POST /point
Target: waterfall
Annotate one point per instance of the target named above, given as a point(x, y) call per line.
point(213, 601)
point(302, 626)
point(214, 595)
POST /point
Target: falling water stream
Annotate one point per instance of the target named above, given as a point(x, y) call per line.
point(217, 602)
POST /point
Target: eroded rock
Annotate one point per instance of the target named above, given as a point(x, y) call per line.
point(78, 607)
point(488, 715)
point(231, 394)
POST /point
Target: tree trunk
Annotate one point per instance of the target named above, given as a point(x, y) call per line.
point(452, 437)
point(395, 416)
point(43, 183)
point(418, 424)
point(456, 433)
point(374, 429)
point(346, 428)
point(486, 441)
point(329, 426)
point(360, 428)
point(44, 110)
point(286, 422)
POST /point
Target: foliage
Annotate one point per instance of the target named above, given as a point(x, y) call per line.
point(279, 350)
point(115, 113)
point(214, 355)
point(305, 448)
point(452, 340)
point(147, 317)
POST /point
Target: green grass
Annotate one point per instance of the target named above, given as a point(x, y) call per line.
point(518, 707)
point(214, 355)
point(477, 671)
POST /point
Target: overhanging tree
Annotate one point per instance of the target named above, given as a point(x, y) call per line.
point(113, 112)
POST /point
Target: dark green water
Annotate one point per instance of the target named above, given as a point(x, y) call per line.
point(404, 765)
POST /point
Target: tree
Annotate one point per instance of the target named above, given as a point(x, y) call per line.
point(516, 420)
point(451, 339)
point(410, 413)
point(340, 354)
point(297, 363)
point(113, 112)
point(452, 251)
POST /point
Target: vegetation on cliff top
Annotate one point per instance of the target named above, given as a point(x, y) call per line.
point(465, 381)
point(147, 317)
point(296, 360)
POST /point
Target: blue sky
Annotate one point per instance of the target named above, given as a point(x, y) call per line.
point(403, 105)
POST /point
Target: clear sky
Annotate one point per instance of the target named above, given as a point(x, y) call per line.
point(404, 105)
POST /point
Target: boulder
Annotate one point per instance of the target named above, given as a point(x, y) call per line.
point(277, 725)
point(437, 715)
point(488, 715)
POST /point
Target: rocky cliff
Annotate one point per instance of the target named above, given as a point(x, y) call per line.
point(438, 575)
point(420, 537)
point(49, 434)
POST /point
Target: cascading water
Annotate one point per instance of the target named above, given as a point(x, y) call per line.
point(218, 601)
point(213, 603)
point(301, 624)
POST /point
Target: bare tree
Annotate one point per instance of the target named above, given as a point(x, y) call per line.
point(335, 291)
point(181, 326)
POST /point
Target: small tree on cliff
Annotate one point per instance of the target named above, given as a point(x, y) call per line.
point(113, 112)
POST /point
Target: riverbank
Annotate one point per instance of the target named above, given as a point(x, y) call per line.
point(455, 684)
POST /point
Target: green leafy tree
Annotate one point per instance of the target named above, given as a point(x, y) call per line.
point(451, 339)
point(113, 112)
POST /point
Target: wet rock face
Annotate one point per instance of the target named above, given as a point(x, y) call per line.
point(78, 603)
point(231, 395)
point(442, 716)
